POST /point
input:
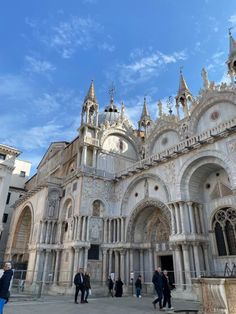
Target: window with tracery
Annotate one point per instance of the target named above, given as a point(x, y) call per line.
point(224, 225)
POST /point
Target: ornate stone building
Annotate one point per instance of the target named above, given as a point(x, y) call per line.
point(120, 200)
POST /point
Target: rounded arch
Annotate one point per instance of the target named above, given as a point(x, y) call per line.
point(199, 110)
point(150, 204)
point(67, 208)
point(137, 180)
point(159, 133)
point(194, 163)
point(23, 231)
point(130, 138)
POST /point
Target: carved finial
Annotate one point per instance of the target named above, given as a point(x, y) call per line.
point(229, 29)
point(159, 104)
point(122, 110)
point(205, 78)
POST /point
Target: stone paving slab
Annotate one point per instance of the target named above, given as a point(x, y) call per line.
point(62, 305)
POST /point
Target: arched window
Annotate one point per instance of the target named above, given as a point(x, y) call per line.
point(224, 224)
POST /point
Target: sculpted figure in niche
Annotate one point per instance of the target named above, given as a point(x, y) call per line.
point(53, 203)
point(96, 208)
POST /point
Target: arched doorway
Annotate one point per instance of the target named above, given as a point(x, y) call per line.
point(21, 239)
point(148, 233)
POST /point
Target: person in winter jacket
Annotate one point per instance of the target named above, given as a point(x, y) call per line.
point(5, 282)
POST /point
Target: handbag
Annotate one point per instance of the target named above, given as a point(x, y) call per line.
point(90, 292)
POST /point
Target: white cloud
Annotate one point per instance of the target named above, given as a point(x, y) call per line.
point(39, 66)
point(232, 20)
point(68, 36)
point(145, 67)
point(107, 47)
point(216, 61)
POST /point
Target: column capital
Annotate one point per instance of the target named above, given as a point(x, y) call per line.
point(104, 251)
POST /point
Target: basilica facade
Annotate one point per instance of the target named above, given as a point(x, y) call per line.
point(123, 201)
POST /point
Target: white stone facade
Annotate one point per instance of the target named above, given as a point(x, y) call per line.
point(120, 200)
point(16, 189)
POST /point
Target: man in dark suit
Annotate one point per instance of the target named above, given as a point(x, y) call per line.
point(158, 285)
point(79, 285)
point(5, 282)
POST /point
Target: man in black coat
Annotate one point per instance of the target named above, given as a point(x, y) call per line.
point(5, 282)
point(79, 285)
point(158, 285)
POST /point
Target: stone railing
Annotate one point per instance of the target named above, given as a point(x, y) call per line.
point(180, 148)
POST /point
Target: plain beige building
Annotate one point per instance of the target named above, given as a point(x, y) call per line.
point(121, 200)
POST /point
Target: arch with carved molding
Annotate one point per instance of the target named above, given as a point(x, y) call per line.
point(207, 103)
point(148, 204)
point(158, 131)
point(134, 182)
point(192, 164)
point(129, 137)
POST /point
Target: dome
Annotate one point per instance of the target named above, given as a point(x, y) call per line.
point(111, 117)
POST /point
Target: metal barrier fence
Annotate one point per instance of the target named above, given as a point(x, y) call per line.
point(37, 284)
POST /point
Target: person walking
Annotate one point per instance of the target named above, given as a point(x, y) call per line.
point(158, 285)
point(79, 285)
point(87, 286)
point(5, 282)
point(138, 286)
point(110, 285)
point(166, 291)
point(119, 288)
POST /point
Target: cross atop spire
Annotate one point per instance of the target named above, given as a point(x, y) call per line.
point(91, 93)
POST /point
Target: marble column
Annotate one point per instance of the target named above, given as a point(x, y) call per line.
point(131, 255)
point(122, 265)
point(36, 267)
point(109, 230)
point(182, 217)
point(42, 232)
point(117, 270)
point(45, 268)
point(87, 229)
point(56, 269)
point(187, 270)
point(76, 259)
point(141, 263)
point(191, 215)
point(179, 268)
point(58, 232)
point(118, 230)
point(104, 266)
point(83, 228)
point(196, 214)
point(177, 218)
point(122, 230)
point(114, 231)
point(110, 262)
point(150, 256)
point(173, 228)
point(206, 258)
point(85, 258)
point(127, 266)
point(84, 155)
point(105, 230)
point(202, 221)
point(78, 238)
point(196, 259)
point(47, 233)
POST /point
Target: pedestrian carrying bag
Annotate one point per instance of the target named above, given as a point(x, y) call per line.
point(90, 292)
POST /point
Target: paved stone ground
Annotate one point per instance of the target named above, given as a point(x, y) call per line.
point(63, 305)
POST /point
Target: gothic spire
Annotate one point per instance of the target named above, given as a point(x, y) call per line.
point(183, 87)
point(183, 96)
point(91, 93)
point(232, 44)
point(145, 119)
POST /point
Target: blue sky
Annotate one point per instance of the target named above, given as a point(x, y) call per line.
point(51, 50)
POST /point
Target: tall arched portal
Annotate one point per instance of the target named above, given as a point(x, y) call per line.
point(21, 239)
point(148, 233)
